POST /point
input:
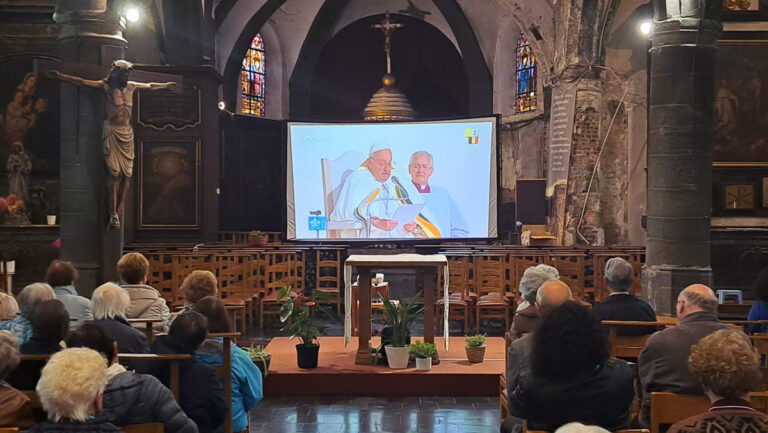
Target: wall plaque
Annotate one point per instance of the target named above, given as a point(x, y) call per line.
point(163, 110)
point(561, 129)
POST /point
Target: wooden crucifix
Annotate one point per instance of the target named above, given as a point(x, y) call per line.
point(119, 149)
point(388, 27)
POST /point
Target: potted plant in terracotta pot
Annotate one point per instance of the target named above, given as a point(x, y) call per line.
point(475, 348)
point(423, 353)
point(303, 316)
point(400, 316)
point(257, 238)
point(260, 357)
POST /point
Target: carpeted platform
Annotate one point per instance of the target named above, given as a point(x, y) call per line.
point(337, 373)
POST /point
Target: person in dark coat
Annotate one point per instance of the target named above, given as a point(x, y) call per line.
point(663, 364)
point(50, 325)
point(131, 398)
point(572, 378)
point(622, 305)
point(70, 390)
point(109, 303)
point(201, 393)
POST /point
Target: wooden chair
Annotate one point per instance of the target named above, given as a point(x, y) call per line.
point(161, 268)
point(460, 302)
point(9, 429)
point(153, 427)
point(668, 408)
point(232, 273)
point(328, 277)
point(185, 264)
point(492, 302)
point(627, 346)
point(278, 270)
point(570, 265)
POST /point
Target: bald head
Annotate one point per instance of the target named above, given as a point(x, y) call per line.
point(696, 298)
point(552, 293)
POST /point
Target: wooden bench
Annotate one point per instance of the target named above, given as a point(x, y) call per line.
point(628, 346)
point(151, 427)
point(668, 408)
point(146, 329)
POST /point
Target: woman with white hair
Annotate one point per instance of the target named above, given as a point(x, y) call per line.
point(15, 408)
point(109, 304)
point(527, 315)
point(70, 390)
point(20, 325)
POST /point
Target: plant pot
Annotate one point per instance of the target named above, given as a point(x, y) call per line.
point(261, 241)
point(8, 267)
point(423, 364)
point(50, 219)
point(397, 357)
point(475, 354)
point(263, 363)
point(306, 355)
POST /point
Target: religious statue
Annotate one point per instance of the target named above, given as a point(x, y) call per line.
point(19, 167)
point(117, 132)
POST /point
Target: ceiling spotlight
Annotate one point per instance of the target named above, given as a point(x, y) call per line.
point(646, 27)
point(132, 14)
point(222, 105)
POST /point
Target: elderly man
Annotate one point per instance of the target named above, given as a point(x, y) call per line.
point(367, 195)
point(663, 364)
point(439, 218)
point(622, 305)
point(62, 275)
point(110, 303)
point(527, 315)
point(20, 324)
point(551, 294)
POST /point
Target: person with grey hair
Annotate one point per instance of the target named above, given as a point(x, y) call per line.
point(15, 407)
point(110, 302)
point(663, 363)
point(622, 305)
point(527, 315)
point(20, 324)
point(577, 427)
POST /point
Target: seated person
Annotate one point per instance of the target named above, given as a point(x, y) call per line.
point(527, 315)
point(146, 302)
point(70, 391)
point(200, 392)
point(62, 275)
point(622, 305)
point(577, 427)
point(572, 377)
point(131, 398)
point(197, 285)
point(729, 368)
point(247, 388)
point(110, 303)
point(19, 325)
point(759, 310)
point(15, 408)
point(50, 325)
point(8, 306)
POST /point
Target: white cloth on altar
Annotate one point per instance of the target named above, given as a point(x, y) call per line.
point(382, 260)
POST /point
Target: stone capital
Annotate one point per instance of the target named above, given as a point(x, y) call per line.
point(89, 19)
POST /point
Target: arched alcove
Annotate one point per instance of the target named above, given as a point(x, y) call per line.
point(428, 68)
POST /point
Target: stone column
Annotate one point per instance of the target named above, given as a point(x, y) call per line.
point(91, 33)
point(679, 194)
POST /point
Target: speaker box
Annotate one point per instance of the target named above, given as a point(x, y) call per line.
point(530, 201)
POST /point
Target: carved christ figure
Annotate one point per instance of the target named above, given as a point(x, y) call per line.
point(118, 132)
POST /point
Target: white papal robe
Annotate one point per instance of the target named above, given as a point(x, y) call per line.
point(362, 197)
point(440, 218)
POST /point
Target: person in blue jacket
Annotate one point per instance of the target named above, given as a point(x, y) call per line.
point(759, 310)
point(247, 388)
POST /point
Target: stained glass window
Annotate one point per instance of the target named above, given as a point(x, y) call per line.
point(525, 93)
point(252, 78)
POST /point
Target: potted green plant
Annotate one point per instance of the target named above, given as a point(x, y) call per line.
point(257, 237)
point(423, 353)
point(399, 317)
point(475, 348)
point(8, 254)
point(260, 357)
point(303, 315)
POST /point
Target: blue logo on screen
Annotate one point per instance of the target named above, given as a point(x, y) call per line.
point(317, 223)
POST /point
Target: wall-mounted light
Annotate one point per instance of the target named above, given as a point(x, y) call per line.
point(132, 14)
point(646, 27)
point(222, 106)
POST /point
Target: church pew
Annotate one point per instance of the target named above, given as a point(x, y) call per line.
point(626, 346)
point(143, 325)
point(9, 429)
point(668, 408)
point(151, 427)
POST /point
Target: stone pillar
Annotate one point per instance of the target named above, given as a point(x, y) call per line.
point(91, 33)
point(679, 199)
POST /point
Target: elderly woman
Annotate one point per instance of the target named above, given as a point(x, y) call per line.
point(70, 390)
point(729, 368)
point(527, 316)
point(572, 377)
point(109, 304)
point(196, 286)
point(8, 306)
point(15, 409)
point(146, 302)
point(20, 325)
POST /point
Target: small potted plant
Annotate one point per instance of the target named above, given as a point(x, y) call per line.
point(8, 254)
point(260, 357)
point(302, 315)
point(423, 353)
point(400, 316)
point(257, 238)
point(475, 348)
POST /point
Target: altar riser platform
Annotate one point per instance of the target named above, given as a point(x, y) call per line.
point(337, 373)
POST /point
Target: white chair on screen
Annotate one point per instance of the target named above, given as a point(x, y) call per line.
point(334, 173)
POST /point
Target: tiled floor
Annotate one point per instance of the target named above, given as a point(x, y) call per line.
point(371, 414)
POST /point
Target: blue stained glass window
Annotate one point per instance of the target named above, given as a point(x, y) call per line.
point(525, 71)
point(252, 79)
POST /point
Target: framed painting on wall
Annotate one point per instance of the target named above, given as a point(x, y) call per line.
point(169, 176)
point(740, 118)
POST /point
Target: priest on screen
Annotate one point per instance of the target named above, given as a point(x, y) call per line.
point(368, 196)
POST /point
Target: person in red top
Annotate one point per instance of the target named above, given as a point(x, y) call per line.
point(729, 368)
